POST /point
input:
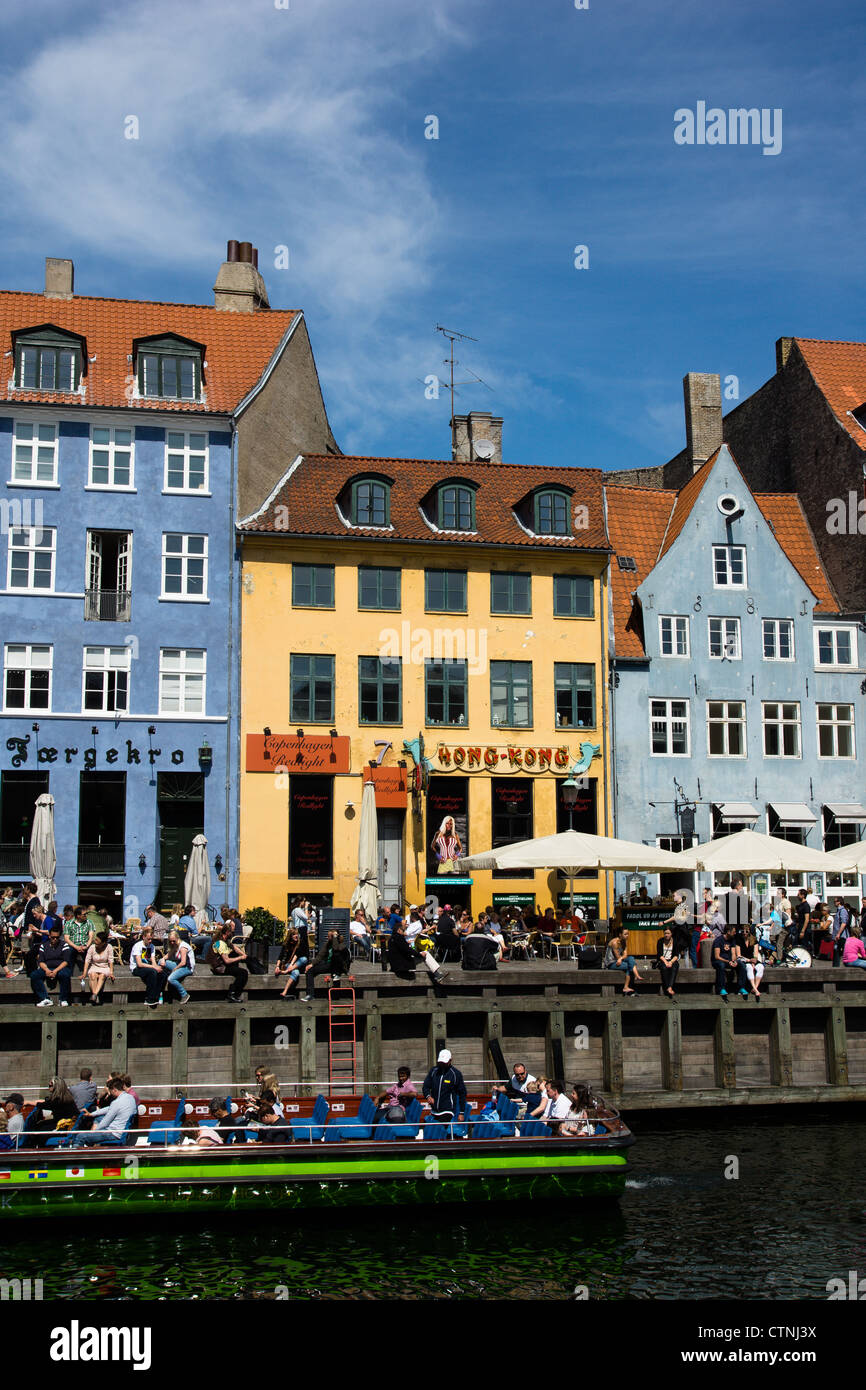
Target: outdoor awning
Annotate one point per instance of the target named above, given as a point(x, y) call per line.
point(793, 813)
point(847, 812)
point(737, 812)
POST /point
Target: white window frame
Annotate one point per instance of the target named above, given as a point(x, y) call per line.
point(109, 663)
point(835, 629)
point(669, 718)
point(183, 675)
point(727, 551)
point(184, 555)
point(836, 724)
point(682, 842)
point(782, 723)
point(777, 624)
point(26, 663)
point(675, 620)
point(726, 721)
point(112, 447)
point(34, 445)
point(186, 450)
point(32, 550)
point(724, 654)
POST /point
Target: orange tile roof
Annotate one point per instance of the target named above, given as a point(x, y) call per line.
point(636, 521)
point(794, 534)
point(238, 347)
point(686, 499)
point(839, 371)
point(311, 489)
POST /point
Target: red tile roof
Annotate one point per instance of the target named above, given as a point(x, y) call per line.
point(645, 522)
point(310, 492)
point(238, 347)
point(839, 371)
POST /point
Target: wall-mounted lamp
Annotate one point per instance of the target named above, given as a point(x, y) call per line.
point(300, 733)
point(205, 754)
point(218, 863)
point(94, 731)
point(142, 862)
point(151, 728)
point(267, 733)
point(35, 728)
point(333, 733)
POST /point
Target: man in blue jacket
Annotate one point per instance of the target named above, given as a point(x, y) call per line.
point(444, 1089)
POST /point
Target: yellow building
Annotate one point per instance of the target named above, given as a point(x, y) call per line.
point(390, 604)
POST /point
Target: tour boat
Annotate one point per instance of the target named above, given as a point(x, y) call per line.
point(335, 1160)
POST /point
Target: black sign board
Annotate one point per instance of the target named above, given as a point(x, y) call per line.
point(333, 919)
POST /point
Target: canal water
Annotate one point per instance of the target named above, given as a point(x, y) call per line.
point(762, 1204)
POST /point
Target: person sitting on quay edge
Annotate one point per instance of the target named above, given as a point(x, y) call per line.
point(666, 961)
point(291, 962)
point(99, 966)
point(444, 1089)
point(179, 963)
point(333, 960)
point(401, 958)
point(111, 1123)
point(54, 962)
point(616, 957)
point(854, 952)
point(79, 936)
point(226, 958)
point(480, 951)
point(142, 964)
point(750, 960)
point(726, 956)
point(84, 1090)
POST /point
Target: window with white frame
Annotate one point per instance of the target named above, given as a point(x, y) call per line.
point(106, 680)
point(186, 462)
point(725, 642)
point(669, 728)
point(781, 730)
point(184, 566)
point(675, 844)
point(778, 635)
point(674, 636)
point(27, 677)
point(726, 728)
point(110, 457)
point(729, 566)
point(31, 559)
point(34, 453)
point(182, 674)
point(835, 731)
point(835, 646)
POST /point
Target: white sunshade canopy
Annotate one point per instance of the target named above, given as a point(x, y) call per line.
point(847, 812)
point(573, 852)
point(850, 857)
point(735, 812)
point(793, 813)
point(749, 852)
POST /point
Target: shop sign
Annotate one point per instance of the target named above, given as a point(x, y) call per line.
point(390, 784)
point(492, 758)
point(588, 901)
point(514, 900)
point(287, 752)
point(21, 751)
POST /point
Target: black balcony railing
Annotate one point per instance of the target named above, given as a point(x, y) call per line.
point(107, 605)
point(15, 859)
point(101, 859)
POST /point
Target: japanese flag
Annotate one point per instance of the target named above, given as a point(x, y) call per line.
point(75, 1172)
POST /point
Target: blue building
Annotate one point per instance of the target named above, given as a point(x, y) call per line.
point(128, 433)
point(736, 680)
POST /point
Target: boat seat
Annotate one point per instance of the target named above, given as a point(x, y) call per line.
point(312, 1129)
point(161, 1133)
point(534, 1129)
point(435, 1132)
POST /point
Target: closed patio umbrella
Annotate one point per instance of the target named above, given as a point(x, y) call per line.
point(366, 893)
point(43, 854)
point(196, 884)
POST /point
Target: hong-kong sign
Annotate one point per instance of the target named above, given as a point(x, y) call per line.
point(493, 758)
point(287, 752)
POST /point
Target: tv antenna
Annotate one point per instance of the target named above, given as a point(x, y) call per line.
point(451, 361)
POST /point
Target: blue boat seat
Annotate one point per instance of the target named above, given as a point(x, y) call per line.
point(312, 1129)
point(534, 1129)
point(161, 1133)
point(402, 1130)
point(435, 1132)
point(62, 1141)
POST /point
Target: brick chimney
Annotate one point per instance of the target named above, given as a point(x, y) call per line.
point(783, 351)
point(59, 278)
point(702, 393)
point(239, 287)
point(473, 433)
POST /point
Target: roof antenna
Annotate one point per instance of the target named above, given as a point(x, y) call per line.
point(451, 334)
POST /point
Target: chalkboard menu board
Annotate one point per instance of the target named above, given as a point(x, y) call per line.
point(647, 918)
point(333, 919)
point(310, 826)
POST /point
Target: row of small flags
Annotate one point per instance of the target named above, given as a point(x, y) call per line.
point(70, 1173)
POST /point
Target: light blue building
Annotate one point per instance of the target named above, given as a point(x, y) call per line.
point(128, 432)
point(737, 695)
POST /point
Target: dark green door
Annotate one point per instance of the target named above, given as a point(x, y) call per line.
point(180, 800)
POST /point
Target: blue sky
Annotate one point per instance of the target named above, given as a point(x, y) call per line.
point(305, 127)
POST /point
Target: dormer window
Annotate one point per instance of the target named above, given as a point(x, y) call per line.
point(551, 513)
point(169, 368)
point(371, 503)
point(48, 359)
point(456, 508)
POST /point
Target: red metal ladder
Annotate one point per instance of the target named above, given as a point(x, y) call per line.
point(341, 1039)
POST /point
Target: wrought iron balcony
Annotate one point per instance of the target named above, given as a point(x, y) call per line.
point(108, 605)
point(101, 859)
point(15, 859)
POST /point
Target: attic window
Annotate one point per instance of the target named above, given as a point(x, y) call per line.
point(371, 503)
point(860, 415)
point(169, 368)
point(627, 562)
point(551, 513)
point(456, 511)
point(47, 359)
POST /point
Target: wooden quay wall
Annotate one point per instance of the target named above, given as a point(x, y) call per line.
point(805, 1041)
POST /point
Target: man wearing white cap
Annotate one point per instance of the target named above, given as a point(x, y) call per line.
point(444, 1089)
